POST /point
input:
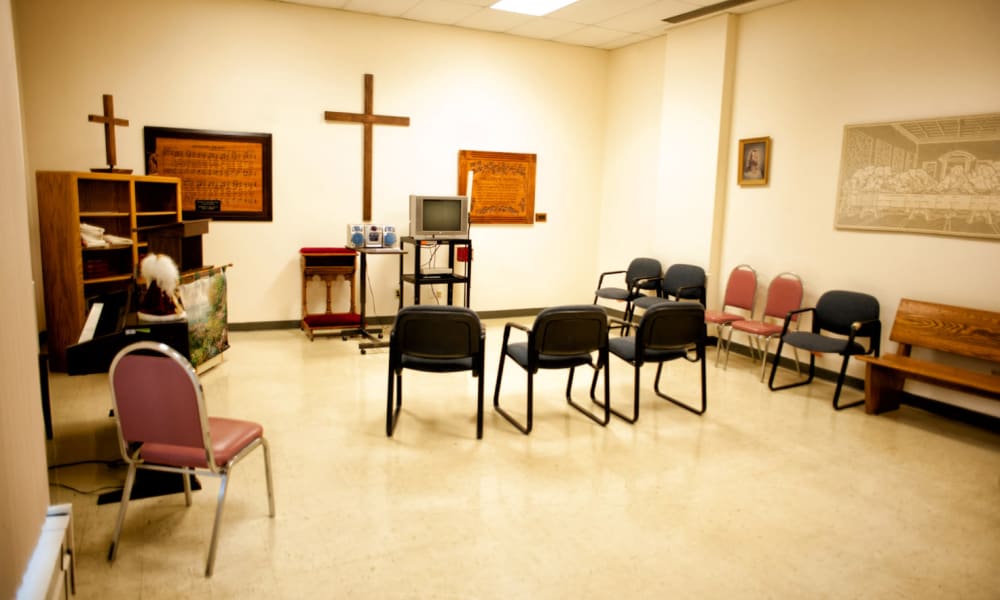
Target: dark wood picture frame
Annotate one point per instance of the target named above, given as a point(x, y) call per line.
point(754, 165)
point(225, 176)
point(503, 186)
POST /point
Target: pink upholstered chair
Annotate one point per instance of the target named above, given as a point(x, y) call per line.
point(163, 426)
point(784, 294)
point(741, 293)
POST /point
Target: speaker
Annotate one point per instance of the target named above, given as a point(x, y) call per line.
point(389, 238)
point(355, 236)
point(373, 236)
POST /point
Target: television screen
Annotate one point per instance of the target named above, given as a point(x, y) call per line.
point(442, 214)
point(439, 217)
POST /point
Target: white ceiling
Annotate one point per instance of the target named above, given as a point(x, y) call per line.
point(606, 24)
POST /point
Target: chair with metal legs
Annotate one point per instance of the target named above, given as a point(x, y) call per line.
point(784, 295)
point(667, 332)
point(839, 319)
point(737, 305)
point(561, 337)
point(437, 339)
point(162, 425)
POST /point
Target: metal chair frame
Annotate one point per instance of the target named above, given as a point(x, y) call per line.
point(740, 294)
point(439, 353)
point(776, 306)
point(825, 317)
point(132, 449)
point(555, 341)
point(642, 274)
point(666, 332)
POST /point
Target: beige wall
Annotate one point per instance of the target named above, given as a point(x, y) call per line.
point(24, 492)
point(263, 66)
point(646, 130)
point(801, 71)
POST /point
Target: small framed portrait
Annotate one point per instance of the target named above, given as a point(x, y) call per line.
point(755, 161)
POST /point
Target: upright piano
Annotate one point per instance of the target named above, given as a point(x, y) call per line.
point(110, 326)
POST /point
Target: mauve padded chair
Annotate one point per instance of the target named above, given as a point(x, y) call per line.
point(162, 424)
point(740, 295)
point(784, 295)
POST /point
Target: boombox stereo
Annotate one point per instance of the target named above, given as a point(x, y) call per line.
point(355, 236)
point(389, 237)
point(371, 236)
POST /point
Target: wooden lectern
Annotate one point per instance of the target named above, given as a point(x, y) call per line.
point(328, 264)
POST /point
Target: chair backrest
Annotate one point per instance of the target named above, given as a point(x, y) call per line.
point(671, 326)
point(837, 310)
point(437, 332)
point(784, 294)
point(570, 329)
point(741, 288)
point(680, 276)
point(157, 398)
point(648, 269)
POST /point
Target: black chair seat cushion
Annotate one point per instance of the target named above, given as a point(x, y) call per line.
point(815, 342)
point(614, 294)
point(438, 365)
point(519, 352)
point(645, 302)
point(624, 348)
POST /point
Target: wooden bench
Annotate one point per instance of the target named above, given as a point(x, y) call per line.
point(961, 331)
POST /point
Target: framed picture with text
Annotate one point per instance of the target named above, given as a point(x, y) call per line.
point(224, 175)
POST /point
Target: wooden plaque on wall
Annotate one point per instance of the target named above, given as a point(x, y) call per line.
point(224, 175)
point(503, 186)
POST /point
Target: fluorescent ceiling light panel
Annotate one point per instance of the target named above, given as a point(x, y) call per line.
point(531, 7)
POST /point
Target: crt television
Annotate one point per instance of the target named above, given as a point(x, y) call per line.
point(439, 217)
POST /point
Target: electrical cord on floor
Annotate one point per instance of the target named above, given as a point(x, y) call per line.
point(115, 462)
point(100, 490)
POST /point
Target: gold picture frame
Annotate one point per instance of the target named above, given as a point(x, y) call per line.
point(754, 165)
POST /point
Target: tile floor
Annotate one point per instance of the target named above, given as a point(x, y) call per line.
point(767, 495)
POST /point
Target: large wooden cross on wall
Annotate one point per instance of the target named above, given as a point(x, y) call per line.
point(110, 121)
point(368, 119)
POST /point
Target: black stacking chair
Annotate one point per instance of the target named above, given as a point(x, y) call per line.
point(562, 337)
point(439, 339)
point(679, 282)
point(667, 331)
point(841, 313)
point(642, 274)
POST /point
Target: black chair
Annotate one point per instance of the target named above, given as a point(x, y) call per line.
point(843, 313)
point(679, 282)
point(562, 337)
point(438, 339)
point(667, 331)
point(642, 274)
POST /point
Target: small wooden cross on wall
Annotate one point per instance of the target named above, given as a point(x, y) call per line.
point(368, 119)
point(109, 120)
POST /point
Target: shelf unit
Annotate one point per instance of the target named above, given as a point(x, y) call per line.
point(459, 251)
point(72, 274)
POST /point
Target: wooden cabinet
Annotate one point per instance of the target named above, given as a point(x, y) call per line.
point(72, 273)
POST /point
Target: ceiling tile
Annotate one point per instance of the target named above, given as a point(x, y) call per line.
point(590, 36)
point(647, 17)
point(595, 11)
point(388, 8)
point(441, 11)
point(494, 20)
point(544, 28)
